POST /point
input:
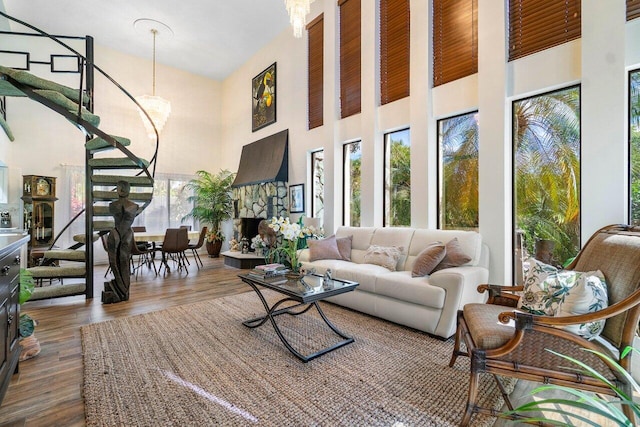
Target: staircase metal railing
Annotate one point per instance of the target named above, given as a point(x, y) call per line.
point(87, 78)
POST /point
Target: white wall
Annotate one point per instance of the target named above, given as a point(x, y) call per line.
point(607, 47)
point(191, 138)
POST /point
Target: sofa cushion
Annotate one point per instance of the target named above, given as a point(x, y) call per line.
point(395, 236)
point(386, 256)
point(320, 266)
point(428, 259)
point(360, 240)
point(344, 247)
point(364, 274)
point(470, 242)
point(454, 256)
point(323, 249)
point(417, 290)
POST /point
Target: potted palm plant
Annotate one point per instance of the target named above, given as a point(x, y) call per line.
point(212, 205)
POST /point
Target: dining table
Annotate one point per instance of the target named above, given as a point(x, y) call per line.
point(157, 237)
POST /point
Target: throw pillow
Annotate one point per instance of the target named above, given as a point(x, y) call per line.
point(454, 256)
point(587, 295)
point(385, 256)
point(344, 247)
point(542, 293)
point(428, 259)
point(323, 249)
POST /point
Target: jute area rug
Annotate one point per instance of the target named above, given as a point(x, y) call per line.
point(197, 365)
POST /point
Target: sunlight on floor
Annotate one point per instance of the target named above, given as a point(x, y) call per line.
point(201, 392)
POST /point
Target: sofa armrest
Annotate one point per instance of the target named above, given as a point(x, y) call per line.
point(460, 285)
point(303, 255)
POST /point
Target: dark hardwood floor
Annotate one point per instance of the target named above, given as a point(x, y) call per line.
point(48, 389)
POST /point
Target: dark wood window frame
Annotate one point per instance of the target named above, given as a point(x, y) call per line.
point(455, 40)
point(538, 25)
point(394, 50)
point(315, 77)
point(350, 57)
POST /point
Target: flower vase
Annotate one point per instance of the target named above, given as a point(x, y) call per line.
point(259, 252)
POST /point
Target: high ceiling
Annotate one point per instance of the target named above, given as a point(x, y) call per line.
point(210, 37)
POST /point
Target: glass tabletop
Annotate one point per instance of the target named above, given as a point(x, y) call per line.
point(310, 287)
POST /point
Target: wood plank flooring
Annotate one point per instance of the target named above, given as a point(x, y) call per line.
point(47, 391)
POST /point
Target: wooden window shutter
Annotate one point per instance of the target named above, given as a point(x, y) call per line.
point(349, 57)
point(633, 9)
point(394, 50)
point(455, 40)
point(315, 31)
point(541, 24)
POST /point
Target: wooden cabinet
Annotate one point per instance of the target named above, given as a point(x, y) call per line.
point(10, 263)
point(39, 196)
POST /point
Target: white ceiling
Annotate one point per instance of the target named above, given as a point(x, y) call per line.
point(210, 37)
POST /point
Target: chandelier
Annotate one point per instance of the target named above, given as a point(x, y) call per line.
point(156, 107)
point(298, 10)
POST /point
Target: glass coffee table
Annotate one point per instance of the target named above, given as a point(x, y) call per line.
point(305, 293)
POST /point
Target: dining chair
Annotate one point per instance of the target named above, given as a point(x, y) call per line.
point(174, 245)
point(145, 257)
point(103, 239)
point(141, 229)
point(194, 247)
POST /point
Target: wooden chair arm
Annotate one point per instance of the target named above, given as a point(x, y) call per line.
point(524, 320)
point(501, 295)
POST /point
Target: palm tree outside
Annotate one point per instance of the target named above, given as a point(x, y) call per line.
point(634, 146)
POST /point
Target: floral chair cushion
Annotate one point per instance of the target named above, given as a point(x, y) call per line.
point(552, 292)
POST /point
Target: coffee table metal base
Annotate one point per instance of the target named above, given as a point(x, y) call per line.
point(292, 310)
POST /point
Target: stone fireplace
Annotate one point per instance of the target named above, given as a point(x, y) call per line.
point(253, 203)
point(260, 189)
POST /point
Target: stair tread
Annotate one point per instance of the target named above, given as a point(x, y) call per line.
point(34, 81)
point(138, 181)
point(103, 225)
point(101, 211)
point(98, 143)
point(113, 195)
point(52, 291)
point(65, 254)
point(58, 98)
point(42, 272)
point(116, 163)
point(81, 238)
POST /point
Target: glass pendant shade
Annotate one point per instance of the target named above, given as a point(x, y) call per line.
point(298, 10)
point(158, 109)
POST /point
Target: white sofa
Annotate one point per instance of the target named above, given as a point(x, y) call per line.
point(427, 303)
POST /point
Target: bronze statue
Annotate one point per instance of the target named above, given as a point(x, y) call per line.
point(119, 244)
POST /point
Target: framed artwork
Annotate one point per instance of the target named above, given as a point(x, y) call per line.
point(296, 198)
point(263, 94)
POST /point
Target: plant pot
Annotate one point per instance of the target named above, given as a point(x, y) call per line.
point(213, 248)
point(544, 250)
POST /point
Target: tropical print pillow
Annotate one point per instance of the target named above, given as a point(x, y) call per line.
point(587, 296)
point(552, 292)
point(542, 293)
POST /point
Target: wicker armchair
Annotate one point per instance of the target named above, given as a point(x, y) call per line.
point(501, 341)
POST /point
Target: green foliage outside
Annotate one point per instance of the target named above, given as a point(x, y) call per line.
point(634, 117)
point(398, 182)
point(546, 139)
point(354, 170)
point(459, 186)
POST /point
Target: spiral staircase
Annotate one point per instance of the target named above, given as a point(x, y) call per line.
point(109, 159)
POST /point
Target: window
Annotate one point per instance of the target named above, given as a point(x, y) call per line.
point(349, 57)
point(351, 184)
point(397, 179)
point(541, 24)
point(455, 40)
point(315, 31)
point(166, 210)
point(546, 150)
point(634, 147)
point(317, 184)
point(394, 50)
point(458, 172)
